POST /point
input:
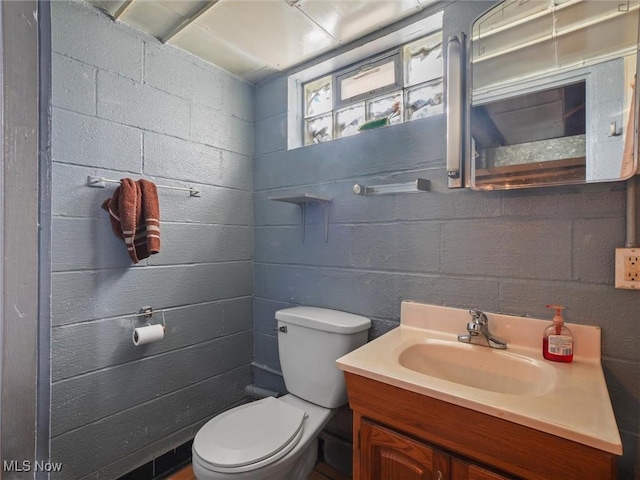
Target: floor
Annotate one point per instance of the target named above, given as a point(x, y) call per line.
point(321, 472)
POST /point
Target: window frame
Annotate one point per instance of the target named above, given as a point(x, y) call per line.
point(394, 56)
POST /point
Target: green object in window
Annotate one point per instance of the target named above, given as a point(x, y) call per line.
point(381, 122)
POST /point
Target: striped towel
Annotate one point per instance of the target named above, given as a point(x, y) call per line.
point(134, 212)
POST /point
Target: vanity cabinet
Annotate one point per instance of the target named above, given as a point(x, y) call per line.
point(405, 435)
point(386, 454)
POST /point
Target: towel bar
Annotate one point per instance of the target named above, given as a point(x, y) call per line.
point(99, 182)
point(419, 185)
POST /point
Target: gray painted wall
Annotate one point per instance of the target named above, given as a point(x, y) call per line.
point(125, 105)
point(21, 237)
point(511, 252)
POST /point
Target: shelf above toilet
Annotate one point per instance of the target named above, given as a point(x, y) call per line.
point(304, 199)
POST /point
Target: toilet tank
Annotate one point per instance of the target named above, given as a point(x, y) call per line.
point(310, 340)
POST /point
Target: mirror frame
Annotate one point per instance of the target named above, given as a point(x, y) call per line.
point(467, 163)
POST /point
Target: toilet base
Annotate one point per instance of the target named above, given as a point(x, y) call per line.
point(304, 466)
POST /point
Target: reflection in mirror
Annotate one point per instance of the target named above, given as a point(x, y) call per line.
point(531, 138)
point(550, 97)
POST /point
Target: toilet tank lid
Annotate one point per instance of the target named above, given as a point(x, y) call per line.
point(324, 319)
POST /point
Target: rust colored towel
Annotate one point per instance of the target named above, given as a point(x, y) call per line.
point(134, 212)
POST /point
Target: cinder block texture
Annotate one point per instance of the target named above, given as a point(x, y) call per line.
point(87, 35)
point(127, 106)
point(172, 157)
point(132, 103)
point(95, 142)
point(77, 87)
point(186, 79)
point(227, 132)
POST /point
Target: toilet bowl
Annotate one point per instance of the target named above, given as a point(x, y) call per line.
point(284, 452)
point(276, 438)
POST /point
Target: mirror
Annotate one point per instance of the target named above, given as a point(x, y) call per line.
point(551, 93)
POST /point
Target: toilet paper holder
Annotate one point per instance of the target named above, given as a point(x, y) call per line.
point(149, 333)
point(147, 312)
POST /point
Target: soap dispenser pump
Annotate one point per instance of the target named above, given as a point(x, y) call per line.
point(557, 343)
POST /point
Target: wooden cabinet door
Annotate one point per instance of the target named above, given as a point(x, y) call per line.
point(386, 455)
point(461, 470)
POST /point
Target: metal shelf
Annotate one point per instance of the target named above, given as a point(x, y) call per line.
point(302, 201)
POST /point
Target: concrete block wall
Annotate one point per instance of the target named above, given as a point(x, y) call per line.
point(512, 252)
point(124, 105)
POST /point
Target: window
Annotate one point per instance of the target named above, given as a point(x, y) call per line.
point(401, 85)
point(367, 80)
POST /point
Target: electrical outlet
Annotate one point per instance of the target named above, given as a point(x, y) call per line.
point(628, 268)
point(631, 268)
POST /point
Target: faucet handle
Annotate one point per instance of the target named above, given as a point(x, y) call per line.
point(479, 316)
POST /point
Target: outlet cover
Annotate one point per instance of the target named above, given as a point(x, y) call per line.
point(628, 268)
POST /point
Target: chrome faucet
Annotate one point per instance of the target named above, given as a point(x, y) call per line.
point(479, 333)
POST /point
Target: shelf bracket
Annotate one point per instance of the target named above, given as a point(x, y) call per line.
point(302, 201)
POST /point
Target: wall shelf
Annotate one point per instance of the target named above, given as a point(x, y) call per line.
point(302, 201)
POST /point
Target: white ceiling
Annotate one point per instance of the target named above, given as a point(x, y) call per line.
point(256, 38)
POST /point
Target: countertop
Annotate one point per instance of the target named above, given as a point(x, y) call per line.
point(576, 407)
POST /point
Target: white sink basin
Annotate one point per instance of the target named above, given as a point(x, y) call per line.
point(479, 367)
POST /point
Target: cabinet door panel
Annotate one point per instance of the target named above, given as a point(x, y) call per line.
point(389, 455)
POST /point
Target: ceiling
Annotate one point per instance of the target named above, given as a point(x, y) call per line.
point(256, 38)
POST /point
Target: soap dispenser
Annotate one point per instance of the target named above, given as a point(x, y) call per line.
point(557, 343)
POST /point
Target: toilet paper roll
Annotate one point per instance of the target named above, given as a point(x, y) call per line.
point(148, 334)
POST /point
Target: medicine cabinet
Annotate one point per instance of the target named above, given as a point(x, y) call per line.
point(549, 95)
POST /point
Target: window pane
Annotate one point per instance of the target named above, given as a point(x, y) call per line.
point(318, 130)
point(425, 100)
point(317, 97)
point(389, 106)
point(368, 80)
point(348, 120)
point(423, 59)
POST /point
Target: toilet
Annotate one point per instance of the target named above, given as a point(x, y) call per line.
point(276, 438)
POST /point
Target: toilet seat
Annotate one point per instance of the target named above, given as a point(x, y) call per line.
point(249, 436)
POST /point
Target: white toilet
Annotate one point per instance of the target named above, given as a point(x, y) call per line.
point(276, 439)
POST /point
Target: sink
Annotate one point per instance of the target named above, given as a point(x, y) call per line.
point(479, 367)
point(423, 356)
